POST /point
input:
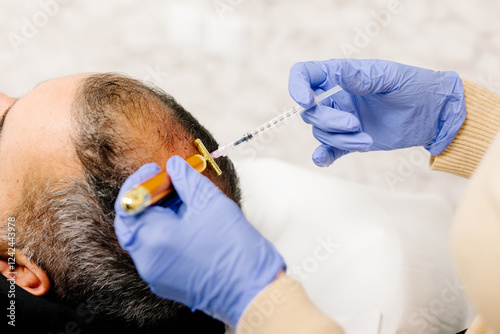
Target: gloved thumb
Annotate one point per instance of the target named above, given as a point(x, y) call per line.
point(194, 189)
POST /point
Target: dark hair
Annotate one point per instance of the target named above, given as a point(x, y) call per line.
point(67, 226)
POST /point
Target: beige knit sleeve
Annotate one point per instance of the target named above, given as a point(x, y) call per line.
point(283, 307)
point(480, 127)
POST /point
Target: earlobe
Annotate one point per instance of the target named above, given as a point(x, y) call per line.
point(27, 275)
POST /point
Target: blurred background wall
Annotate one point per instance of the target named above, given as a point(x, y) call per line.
point(227, 61)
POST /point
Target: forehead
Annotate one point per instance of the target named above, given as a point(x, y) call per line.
point(37, 135)
point(38, 126)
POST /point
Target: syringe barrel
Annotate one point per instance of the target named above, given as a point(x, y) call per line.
point(156, 188)
point(273, 122)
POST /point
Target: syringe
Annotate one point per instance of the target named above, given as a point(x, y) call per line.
point(222, 151)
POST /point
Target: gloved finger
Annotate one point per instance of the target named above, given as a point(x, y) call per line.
point(160, 233)
point(194, 189)
point(331, 120)
point(142, 174)
point(303, 77)
point(154, 222)
point(325, 155)
point(363, 77)
point(160, 239)
point(124, 222)
point(356, 141)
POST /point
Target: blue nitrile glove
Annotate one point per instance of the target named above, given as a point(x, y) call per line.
point(384, 106)
point(207, 255)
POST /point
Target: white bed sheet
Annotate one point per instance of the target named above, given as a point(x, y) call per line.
point(377, 261)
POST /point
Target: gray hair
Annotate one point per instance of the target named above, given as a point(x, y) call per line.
point(63, 229)
point(66, 226)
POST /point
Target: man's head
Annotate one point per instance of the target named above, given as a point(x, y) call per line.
point(65, 150)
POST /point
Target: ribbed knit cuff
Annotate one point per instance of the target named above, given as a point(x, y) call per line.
point(283, 307)
point(480, 127)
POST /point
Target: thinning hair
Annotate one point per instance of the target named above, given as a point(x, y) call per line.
point(66, 226)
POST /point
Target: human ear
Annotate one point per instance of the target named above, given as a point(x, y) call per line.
point(26, 274)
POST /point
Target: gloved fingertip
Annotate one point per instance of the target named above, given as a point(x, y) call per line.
point(190, 185)
point(303, 95)
point(175, 165)
point(322, 156)
point(300, 83)
point(305, 98)
point(178, 168)
point(366, 141)
point(307, 116)
point(325, 155)
point(148, 168)
point(353, 123)
point(320, 163)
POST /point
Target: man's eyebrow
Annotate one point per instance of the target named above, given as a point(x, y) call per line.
point(2, 121)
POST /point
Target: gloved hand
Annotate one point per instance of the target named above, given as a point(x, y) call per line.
point(206, 255)
point(384, 106)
